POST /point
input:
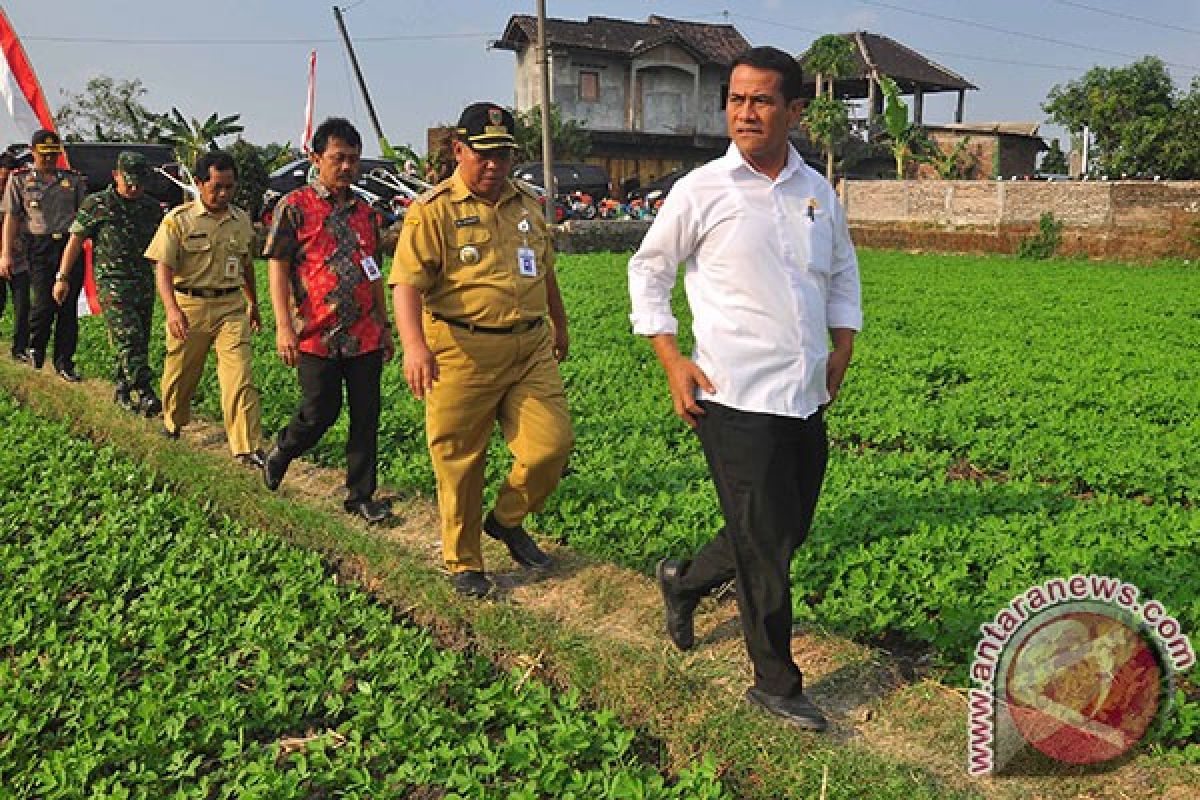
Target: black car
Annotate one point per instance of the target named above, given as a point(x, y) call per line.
point(380, 182)
point(97, 160)
point(590, 179)
point(657, 188)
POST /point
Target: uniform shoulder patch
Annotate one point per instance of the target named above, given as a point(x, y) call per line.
point(525, 188)
point(432, 192)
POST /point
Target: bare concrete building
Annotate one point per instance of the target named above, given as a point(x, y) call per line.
point(651, 94)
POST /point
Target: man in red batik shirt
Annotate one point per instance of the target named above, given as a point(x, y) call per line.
point(324, 257)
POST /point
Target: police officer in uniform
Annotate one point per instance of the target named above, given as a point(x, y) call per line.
point(121, 221)
point(39, 205)
point(17, 278)
point(205, 279)
point(473, 282)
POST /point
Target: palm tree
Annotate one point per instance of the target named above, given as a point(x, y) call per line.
point(192, 137)
point(830, 57)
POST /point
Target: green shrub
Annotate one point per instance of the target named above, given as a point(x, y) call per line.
point(1043, 244)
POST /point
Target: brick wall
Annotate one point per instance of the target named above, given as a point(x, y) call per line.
point(1127, 220)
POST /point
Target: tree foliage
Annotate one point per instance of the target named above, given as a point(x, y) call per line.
point(253, 175)
point(1055, 160)
point(109, 110)
point(830, 57)
point(570, 141)
point(828, 122)
point(190, 137)
point(1139, 122)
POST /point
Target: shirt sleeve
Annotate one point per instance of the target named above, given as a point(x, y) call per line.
point(11, 202)
point(85, 222)
point(282, 242)
point(655, 266)
point(843, 309)
point(418, 259)
point(164, 247)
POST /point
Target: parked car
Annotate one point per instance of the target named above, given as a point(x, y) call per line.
point(381, 183)
point(657, 188)
point(97, 160)
point(590, 179)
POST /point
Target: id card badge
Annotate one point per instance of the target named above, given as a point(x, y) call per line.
point(370, 268)
point(527, 262)
point(233, 267)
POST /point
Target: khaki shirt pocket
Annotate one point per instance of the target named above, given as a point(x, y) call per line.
point(470, 247)
point(197, 255)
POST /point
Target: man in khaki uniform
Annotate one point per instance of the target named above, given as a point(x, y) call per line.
point(39, 206)
point(473, 283)
point(205, 278)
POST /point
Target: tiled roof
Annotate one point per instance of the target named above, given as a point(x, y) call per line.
point(901, 63)
point(715, 44)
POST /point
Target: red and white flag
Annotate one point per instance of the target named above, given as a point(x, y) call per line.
point(310, 102)
point(23, 110)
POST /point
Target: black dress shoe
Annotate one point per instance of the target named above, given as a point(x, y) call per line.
point(373, 511)
point(69, 374)
point(275, 468)
point(521, 547)
point(20, 358)
point(148, 403)
point(471, 583)
point(797, 709)
point(254, 460)
point(36, 359)
point(122, 396)
point(680, 607)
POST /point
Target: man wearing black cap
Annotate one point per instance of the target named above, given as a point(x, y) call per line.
point(121, 221)
point(39, 205)
point(473, 282)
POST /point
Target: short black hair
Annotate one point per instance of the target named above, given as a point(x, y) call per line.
point(213, 159)
point(774, 59)
point(335, 128)
point(8, 160)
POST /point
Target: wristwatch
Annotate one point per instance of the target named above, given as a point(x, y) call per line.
point(60, 278)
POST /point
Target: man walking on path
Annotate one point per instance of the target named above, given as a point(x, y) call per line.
point(323, 256)
point(121, 221)
point(205, 278)
point(39, 204)
point(474, 282)
point(771, 278)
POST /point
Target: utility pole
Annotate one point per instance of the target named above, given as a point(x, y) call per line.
point(384, 147)
point(543, 59)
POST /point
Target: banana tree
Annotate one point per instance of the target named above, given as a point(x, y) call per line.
point(190, 137)
point(904, 136)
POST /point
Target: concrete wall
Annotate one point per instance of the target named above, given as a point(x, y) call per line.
point(1127, 220)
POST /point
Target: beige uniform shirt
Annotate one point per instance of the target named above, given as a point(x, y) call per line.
point(45, 201)
point(204, 250)
point(473, 261)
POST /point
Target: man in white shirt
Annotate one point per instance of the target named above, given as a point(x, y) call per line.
point(771, 278)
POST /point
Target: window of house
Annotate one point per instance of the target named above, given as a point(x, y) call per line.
point(589, 85)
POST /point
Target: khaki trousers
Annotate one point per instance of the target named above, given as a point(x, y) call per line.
point(482, 378)
point(222, 325)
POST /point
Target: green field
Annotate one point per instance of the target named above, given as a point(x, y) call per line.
point(1004, 422)
point(153, 649)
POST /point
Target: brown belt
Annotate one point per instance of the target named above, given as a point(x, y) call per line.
point(209, 293)
point(520, 327)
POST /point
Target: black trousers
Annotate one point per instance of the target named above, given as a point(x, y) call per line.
point(44, 253)
point(19, 284)
point(321, 381)
point(768, 471)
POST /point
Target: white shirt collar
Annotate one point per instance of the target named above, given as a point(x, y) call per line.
point(733, 159)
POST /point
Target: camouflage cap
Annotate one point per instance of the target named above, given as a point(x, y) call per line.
point(133, 167)
point(487, 126)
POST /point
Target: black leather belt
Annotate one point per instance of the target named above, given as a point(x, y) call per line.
point(55, 236)
point(520, 327)
point(209, 293)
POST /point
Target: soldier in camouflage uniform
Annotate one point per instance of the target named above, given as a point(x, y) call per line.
point(121, 221)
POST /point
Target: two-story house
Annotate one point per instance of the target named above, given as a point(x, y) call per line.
point(650, 94)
